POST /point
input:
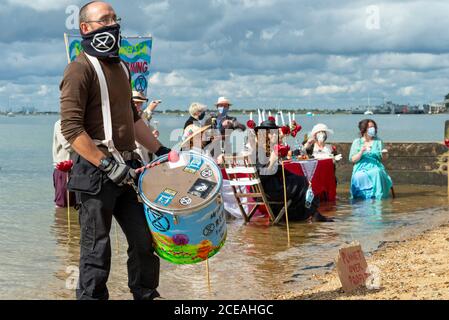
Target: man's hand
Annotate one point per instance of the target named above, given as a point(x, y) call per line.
point(118, 173)
point(153, 105)
point(173, 156)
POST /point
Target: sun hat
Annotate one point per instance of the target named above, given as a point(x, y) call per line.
point(139, 96)
point(320, 127)
point(268, 125)
point(223, 100)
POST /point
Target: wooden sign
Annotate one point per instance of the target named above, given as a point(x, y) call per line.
point(352, 267)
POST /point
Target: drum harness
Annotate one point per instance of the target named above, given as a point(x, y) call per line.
point(106, 112)
point(107, 121)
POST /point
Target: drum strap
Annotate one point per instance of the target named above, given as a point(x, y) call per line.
point(106, 109)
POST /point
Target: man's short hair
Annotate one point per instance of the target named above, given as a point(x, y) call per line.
point(83, 12)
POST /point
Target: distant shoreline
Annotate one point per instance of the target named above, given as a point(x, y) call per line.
point(236, 112)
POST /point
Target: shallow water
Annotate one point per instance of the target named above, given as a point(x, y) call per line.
point(256, 261)
point(39, 248)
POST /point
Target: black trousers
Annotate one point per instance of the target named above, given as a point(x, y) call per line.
point(95, 215)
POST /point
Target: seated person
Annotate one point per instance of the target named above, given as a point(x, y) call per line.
point(316, 146)
point(194, 123)
point(369, 177)
point(272, 179)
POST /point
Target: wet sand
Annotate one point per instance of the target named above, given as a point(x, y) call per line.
point(413, 269)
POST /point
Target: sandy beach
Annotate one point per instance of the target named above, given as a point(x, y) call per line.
point(413, 269)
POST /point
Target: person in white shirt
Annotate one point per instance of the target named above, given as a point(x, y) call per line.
point(61, 152)
point(317, 147)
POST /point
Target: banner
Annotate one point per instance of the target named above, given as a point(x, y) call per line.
point(134, 51)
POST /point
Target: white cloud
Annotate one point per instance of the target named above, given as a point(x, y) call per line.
point(43, 90)
point(406, 91)
point(268, 34)
point(254, 51)
point(42, 5)
point(156, 8)
point(172, 79)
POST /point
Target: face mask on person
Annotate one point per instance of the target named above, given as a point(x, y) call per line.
point(372, 132)
point(202, 115)
point(321, 137)
point(223, 111)
point(103, 42)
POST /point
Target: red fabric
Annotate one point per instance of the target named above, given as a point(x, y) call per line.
point(324, 184)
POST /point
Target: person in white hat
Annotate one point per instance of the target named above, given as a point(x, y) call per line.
point(140, 100)
point(316, 146)
point(223, 104)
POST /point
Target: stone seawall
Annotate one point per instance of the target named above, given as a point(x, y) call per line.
point(407, 163)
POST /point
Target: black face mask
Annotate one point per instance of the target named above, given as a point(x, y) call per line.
point(103, 43)
point(202, 115)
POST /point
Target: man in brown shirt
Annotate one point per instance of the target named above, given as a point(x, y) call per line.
point(101, 181)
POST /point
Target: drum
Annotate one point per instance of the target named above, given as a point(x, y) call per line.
point(184, 209)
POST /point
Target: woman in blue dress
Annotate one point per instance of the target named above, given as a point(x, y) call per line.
point(369, 177)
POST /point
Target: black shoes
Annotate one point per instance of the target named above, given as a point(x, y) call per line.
point(318, 217)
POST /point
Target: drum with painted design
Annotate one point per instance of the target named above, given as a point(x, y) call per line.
point(184, 209)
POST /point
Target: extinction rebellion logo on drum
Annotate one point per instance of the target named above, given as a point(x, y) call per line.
point(159, 221)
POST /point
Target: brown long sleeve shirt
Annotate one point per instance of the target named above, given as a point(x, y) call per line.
point(81, 103)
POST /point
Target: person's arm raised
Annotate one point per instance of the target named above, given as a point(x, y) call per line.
point(145, 137)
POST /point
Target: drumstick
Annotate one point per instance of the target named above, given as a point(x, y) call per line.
point(208, 274)
point(116, 237)
point(286, 204)
point(68, 202)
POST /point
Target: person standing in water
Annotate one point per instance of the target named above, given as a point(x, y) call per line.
point(101, 124)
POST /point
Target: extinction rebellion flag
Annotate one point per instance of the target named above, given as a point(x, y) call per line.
point(134, 51)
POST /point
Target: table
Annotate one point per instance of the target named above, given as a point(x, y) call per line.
point(322, 174)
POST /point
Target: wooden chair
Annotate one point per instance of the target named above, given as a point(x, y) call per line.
point(245, 183)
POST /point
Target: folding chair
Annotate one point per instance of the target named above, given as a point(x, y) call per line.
point(245, 183)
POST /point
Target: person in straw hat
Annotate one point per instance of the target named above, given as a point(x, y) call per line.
point(216, 120)
point(222, 125)
point(316, 146)
point(140, 100)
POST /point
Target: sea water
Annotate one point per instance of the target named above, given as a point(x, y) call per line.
point(39, 248)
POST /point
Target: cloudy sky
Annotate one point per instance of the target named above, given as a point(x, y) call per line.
point(286, 53)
